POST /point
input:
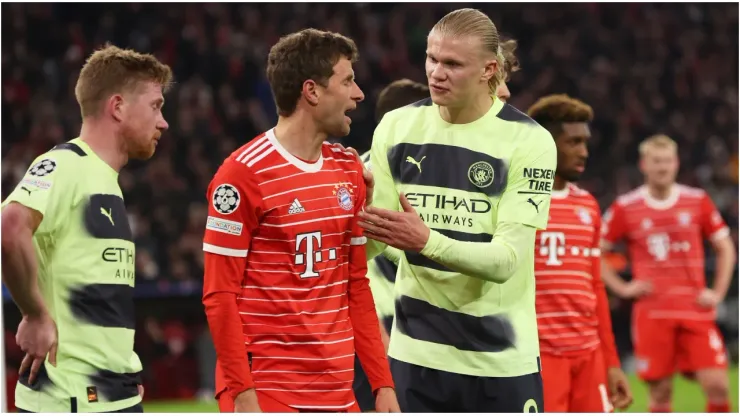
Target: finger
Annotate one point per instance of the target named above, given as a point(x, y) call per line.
point(405, 204)
point(340, 146)
point(382, 212)
point(376, 219)
point(25, 364)
point(354, 151)
point(35, 367)
point(372, 229)
point(53, 355)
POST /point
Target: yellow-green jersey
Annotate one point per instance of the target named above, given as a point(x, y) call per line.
point(85, 253)
point(465, 182)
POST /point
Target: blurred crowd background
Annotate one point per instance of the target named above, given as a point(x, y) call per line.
point(645, 68)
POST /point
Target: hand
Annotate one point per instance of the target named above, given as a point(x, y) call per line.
point(367, 176)
point(619, 389)
point(386, 401)
point(246, 402)
point(708, 298)
point(636, 289)
point(38, 338)
point(402, 230)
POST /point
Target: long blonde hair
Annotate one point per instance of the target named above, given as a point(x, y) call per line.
point(472, 22)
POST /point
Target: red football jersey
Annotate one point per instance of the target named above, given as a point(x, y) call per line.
point(567, 273)
point(665, 244)
point(295, 223)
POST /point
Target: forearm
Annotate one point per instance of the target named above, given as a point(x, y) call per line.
point(368, 342)
point(611, 279)
point(724, 266)
point(494, 261)
point(606, 334)
point(19, 269)
point(393, 254)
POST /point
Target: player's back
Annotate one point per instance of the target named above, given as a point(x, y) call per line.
point(665, 243)
point(85, 252)
point(564, 269)
point(454, 175)
point(294, 299)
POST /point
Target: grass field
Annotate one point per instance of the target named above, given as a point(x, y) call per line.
point(687, 398)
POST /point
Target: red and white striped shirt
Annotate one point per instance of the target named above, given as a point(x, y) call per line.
point(294, 224)
point(665, 244)
point(572, 309)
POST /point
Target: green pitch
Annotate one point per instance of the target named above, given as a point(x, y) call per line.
point(687, 398)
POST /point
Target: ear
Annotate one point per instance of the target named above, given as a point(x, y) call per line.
point(489, 70)
point(115, 106)
point(311, 92)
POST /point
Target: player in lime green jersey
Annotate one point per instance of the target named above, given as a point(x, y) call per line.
point(471, 177)
point(68, 251)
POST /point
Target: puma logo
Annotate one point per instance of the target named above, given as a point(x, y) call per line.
point(108, 215)
point(536, 206)
point(27, 190)
point(413, 161)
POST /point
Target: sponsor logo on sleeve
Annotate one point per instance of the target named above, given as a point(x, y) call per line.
point(226, 199)
point(33, 184)
point(43, 168)
point(224, 226)
point(539, 180)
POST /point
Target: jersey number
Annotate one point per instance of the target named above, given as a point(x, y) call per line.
point(309, 254)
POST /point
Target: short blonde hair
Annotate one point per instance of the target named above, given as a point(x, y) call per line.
point(472, 22)
point(658, 141)
point(511, 62)
point(112, 70)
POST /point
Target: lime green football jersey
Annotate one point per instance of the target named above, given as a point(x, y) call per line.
point(85, 253)
point(464, 180)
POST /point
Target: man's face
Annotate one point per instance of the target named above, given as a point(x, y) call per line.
point(660, 166)
point(456, 69)
point(502, 92)
point(142, 121)
point(572, 145)
point(340, 96)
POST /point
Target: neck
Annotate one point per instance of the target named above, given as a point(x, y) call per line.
point(106, 144)
point(468, 113)
point(299, 135)
point(660, 192)
point(559, 183)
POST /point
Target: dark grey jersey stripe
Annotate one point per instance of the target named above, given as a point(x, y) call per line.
point(70, 146)
point(425, 322)
point(417, 259)
point(445, 167)
point(510, 113)
point(116, 386)
point(106, 305)
point(106, 218)
point(387, 267)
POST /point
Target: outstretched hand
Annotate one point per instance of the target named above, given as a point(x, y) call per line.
point(402, 230)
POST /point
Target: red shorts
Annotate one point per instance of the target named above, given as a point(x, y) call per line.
point(270, 405)
point(663, 346)
point(575, 384)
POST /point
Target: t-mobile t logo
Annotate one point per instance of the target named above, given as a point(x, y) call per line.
point(552, 245)
point(312, 253)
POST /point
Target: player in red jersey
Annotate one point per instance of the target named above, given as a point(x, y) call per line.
point(285, 291)
point(664, 225)
point(580, 366)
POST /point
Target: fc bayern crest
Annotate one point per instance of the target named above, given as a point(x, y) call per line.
point(344, 196)
point(584, 216)
point(684, 218)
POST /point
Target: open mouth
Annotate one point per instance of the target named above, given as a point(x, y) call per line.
point(347, 118)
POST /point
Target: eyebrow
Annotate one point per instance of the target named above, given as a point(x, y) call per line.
point(159, 101)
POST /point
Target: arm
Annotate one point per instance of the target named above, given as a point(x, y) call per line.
point(226, 243)
point(612, 231)
point(385, 194)
point(19, 265)
point(603, 312)
point(368, 342)
point(715, 229)
point(523, 208)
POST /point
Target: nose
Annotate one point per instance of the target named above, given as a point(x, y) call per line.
point(357, 94)
point(437, 72)
point(162, 124)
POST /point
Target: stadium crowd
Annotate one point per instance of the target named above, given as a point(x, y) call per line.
point(645, 68)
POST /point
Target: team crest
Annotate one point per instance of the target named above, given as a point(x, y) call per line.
point(684, 218)
point(344, 195)
point(584, 216)
point(647, 224)
point(225, 199)
point(480, 174)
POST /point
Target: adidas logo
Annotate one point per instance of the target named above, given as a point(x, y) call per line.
point(296, 207)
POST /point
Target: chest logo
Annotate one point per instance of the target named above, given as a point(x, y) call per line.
point(481, 174)
point(584, 216)
point(413, 161)
point(343, 192)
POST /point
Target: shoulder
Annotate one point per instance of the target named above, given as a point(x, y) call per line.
point(690, 192)
point(583, 197)
point(332, 150)
point(630, 198)
point(241, 162)
point(61, 163)
point(516, 119)
point(407, 115)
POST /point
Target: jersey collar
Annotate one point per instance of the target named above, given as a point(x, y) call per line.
point(304, 166)
point(660, 204)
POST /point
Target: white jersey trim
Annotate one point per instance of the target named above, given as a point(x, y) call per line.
point(720, 234)
point(304, 166)
point(210, 248)
point(663, 204)
point(358, 241)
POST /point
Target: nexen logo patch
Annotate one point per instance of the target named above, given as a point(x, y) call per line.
point(224, 226)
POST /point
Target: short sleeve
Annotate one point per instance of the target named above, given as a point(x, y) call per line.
point(357, 232)
point(713, 227)
point(234, 209)
point(613, 226)
point(526, 199)
point(49, 188)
